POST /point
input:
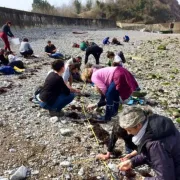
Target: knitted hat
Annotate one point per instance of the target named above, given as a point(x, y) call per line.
point(131, 116)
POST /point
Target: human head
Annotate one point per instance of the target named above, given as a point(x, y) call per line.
point(110, 55)
point(117, 61)
point(58, 66)
point(133, 118)
point(49, 43)
point(9, 23)
point(25, 40)
point(86, 74)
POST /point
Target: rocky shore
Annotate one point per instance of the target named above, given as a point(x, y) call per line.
point(64, 148)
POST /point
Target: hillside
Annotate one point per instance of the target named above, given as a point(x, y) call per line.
point(146, 11)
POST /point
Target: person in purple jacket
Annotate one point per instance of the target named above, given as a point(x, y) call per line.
point(157, 140)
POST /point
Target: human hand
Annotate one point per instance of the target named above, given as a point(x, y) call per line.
point(124, 166)
point(103, 156)
point(125, 158)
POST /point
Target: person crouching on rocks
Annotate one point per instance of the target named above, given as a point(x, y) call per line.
point(51, 51)
point(119, 133)
point(113, 83)
point(157, 140)
point(25, 48)
point(55, 95)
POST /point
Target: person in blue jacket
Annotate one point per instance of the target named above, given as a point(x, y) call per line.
point(126, 38)
point(106, 41)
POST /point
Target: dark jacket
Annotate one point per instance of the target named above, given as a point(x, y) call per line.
point(3, 60)
point(6, 29)
point(54, 86)
point(119, 132)
point(50, 49)
point(160, 148)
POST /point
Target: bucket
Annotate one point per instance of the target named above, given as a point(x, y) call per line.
point(15, 41)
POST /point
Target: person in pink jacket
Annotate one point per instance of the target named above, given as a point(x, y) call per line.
point(113, 83)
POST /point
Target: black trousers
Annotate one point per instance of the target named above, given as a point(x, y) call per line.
point(27, 53)
point(95, 52)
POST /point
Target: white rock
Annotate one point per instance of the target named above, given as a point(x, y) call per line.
point(54, 119)
point(81, 172)
point(113, 167)
point(12, 150)
point(34, 172)
point(65, 132)
point(19, 174)
point(65, 163)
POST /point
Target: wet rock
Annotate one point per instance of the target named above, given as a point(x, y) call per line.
point(54, 119)
point(81, 172)
point(20, 174)
point(65, 164)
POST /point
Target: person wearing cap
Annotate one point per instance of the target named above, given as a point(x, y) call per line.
point(51, 51)
point(6, 31)
point(113, 83)
point(157, 140)
point(67, 75)
point(25, 48)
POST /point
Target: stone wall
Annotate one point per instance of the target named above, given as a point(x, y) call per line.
point(25, 19)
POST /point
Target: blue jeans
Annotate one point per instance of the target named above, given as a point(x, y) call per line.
point(56, 55)
point(60, 102)
point(112, 95)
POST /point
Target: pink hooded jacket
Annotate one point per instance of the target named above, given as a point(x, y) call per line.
point(123, 79)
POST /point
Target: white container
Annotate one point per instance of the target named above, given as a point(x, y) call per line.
point(15, 41)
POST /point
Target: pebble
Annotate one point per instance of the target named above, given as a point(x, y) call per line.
point(65, 164)
point(113, 167)
point(34, 172)
point(65, 132)
point(81, 172)
point(20, 174)
point(54, 119)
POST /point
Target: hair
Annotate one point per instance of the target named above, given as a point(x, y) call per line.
point(8, 53)
point(115, 64)
point(86, 74)
point(25, 40)
point(57, 65)
point(110, 54)
point(49, 42)
point(79, 57)
point(9, 22)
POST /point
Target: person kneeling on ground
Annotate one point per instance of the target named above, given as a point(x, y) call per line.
point(119, 132)
point(83, 45)
point(51, 51)
point(126, 38)
point(25, 48)
point(76, 70)
point(55, 95)
point(96, 51)
point(106, 41)
point(115, 42)
point(120, 83)
point(157, 141)
point(115, 60)
point(14, 60)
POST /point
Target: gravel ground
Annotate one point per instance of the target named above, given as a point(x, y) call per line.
point(30, 137)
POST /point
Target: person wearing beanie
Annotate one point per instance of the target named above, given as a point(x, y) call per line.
point(157, 140)
point(6, 31)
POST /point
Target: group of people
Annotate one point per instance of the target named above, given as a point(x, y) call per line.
point(149, 138)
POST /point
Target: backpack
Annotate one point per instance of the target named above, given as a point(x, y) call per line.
point(7, 70)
